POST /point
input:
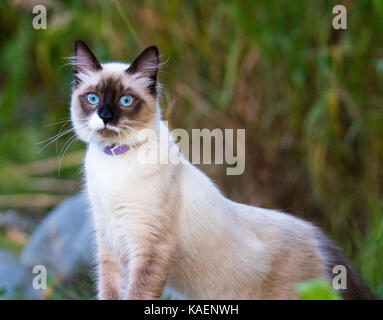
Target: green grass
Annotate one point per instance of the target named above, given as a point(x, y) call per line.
point(317, 290)
point(6, 243)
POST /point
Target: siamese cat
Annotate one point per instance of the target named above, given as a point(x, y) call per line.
point(167, 225)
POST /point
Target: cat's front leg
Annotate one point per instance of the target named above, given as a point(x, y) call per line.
point(148, 272)
point(110, 274)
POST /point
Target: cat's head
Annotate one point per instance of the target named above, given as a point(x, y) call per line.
point(111, 102)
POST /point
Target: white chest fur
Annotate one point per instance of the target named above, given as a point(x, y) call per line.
point(107, 176)
point(118, 189)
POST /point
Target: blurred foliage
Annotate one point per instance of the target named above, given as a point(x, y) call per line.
point(317, 290)
point(7, 243)
point(310, 97)
point(82, 287)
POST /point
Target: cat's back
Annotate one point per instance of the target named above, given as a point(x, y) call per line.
point(282, 232)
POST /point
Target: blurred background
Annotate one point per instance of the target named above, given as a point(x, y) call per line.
point(310, 98)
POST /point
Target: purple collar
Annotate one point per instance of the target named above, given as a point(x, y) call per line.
point(114, 150)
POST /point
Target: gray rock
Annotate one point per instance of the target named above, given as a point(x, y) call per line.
point(11, 275)
point(12, 219)
point(15, 280)
point(64, 241)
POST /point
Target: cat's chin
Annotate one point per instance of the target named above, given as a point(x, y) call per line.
point(107, 133)
point(108, 137)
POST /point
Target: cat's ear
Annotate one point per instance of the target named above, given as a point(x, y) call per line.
point(84, 59)
point(146, 66)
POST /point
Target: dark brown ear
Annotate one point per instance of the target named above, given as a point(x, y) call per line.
point(147, 64)
point(84, 59)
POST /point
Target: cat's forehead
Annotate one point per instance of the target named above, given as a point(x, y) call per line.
point(114, 67)
point(112, 75)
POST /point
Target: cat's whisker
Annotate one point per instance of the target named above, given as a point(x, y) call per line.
point(127, 137)
point(71, 140)
point(65, 144)
point(133, 121)
point(57, 123)
point(64, 120)
point(139, 123)
point(148, 138)
point(119, 136)
point(59, 132)
point(55, 138)
point(129, 127)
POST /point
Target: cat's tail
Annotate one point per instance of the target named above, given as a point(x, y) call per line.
point(356, 289)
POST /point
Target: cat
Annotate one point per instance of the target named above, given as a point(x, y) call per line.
point(167, 225)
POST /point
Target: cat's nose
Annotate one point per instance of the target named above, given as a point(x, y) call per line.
point(105, 114)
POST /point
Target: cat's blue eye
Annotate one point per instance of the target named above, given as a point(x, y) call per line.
point(93, 98)
point(126, 101)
